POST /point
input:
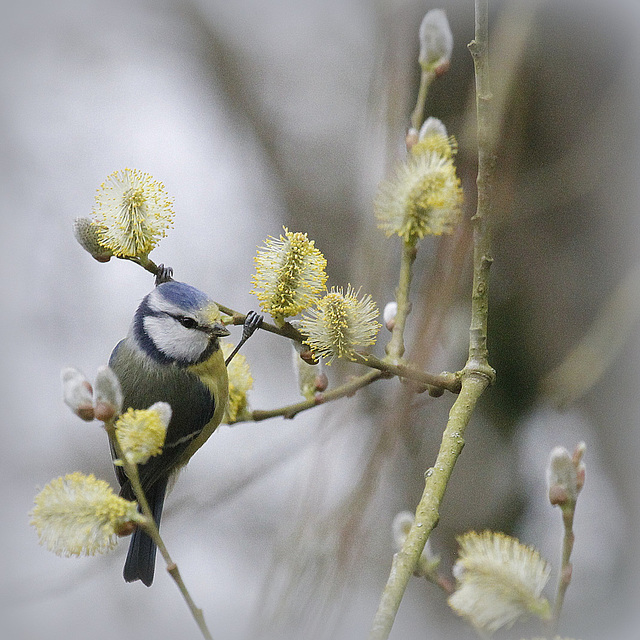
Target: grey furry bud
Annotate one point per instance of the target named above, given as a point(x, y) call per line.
point(436, 40)
point(86, 234)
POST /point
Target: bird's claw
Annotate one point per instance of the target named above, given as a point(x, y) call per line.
point(252, 322)
point(163, 274)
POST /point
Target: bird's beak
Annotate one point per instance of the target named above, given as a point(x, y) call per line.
point(219, 330)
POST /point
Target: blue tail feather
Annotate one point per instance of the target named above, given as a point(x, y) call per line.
point(141, 558)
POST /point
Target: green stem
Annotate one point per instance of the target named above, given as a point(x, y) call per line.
point(417, 116)
point(478, 354)
point(564, 578)
point(427, 512)
point(151, 529)
point(345, 390)
point(477, 374)
point(442, 381)
point(381, 369)
point(395, 347)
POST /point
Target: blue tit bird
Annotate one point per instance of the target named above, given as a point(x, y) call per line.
point(171, 354)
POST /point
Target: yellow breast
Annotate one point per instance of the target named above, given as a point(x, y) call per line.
point(213, 374)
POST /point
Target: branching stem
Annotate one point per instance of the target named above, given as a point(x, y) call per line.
point(345, 390)
point(444, 381)
point(427, 513)
point(477, 373)
point(151, 529)
point(389, 366)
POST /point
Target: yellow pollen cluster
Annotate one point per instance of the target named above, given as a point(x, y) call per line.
point(498, 581)
point(141, 434)
point(444, 146)
point(424, 197)
point(132, 213)
point(340, 324)
point(290, 275)
point(335, 317)
point(240, 382)
point(80, 515)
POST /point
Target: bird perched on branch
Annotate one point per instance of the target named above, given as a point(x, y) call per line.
point(171, 354)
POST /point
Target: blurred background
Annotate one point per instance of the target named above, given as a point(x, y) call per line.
point(262, 114)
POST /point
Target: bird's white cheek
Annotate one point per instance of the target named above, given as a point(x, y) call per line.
point(174, 340)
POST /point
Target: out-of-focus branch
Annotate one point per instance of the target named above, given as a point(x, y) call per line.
point(588, 361)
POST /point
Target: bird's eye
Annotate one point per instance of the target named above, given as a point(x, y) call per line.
point(187, 322)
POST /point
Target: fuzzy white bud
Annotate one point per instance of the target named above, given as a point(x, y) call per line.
point(107, 394)
point(389, 315)
point(565, 475)
point(401, 526)
point(498, 580)
point(436, 40)
point(457, 571)
point(432, 127)
point(86, 234)
point(77, 393)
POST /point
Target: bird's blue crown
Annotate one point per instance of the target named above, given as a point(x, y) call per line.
point(183, 295)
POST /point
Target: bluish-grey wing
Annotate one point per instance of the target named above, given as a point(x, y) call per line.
point(143, 383)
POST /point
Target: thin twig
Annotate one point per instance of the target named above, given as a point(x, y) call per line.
point(152, 530)
point(477, 373)
point(395, 347)
point(292, 410)
point(564, 579)
point(443, 381)
point(426, 78)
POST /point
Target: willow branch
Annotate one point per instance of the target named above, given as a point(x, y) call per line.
point(477, 373)
point(152, 530)
point(427, 514)
point(435, 383)
point(566, 568)
point(417, 115)
point(292, 410)
point(478, 353)
point(442, 381)
point(395, 347)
